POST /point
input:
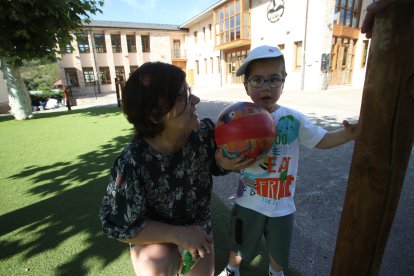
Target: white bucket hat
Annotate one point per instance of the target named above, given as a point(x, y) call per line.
point(260, 52)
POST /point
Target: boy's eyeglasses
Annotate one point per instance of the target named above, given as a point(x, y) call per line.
point(273, 82)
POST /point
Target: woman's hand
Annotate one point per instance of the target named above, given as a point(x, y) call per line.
point(235, 164)
point(195, 240)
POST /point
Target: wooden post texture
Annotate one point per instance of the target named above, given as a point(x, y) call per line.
point(382, 153)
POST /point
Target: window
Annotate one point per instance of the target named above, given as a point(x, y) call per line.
point(132, 69)
point(145, 41)
point(347, 13)
point(131, 44)
point(228, 22)
point(67, 49)
point(205, 66)
point(218, 65)
point(105, 75)
point(364, 53)
point(204, 34)
point(211, 65)
point(176, 48)
point(88, 75)
point(197, 67)
point(120, 72)
point(195, 37)
point(71, 77)
point(281, 48)
point(100, 45)
point(83, 43)
point(298, 55)
point(211, 32)
point(116, 43)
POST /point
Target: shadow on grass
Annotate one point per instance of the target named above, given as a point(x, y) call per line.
point(66, 210)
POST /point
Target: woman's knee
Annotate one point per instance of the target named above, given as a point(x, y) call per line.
point(155, 259)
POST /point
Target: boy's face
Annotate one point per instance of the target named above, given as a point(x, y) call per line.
point(265, 96)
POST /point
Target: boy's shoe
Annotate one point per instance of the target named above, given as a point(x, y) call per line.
point(228, 272)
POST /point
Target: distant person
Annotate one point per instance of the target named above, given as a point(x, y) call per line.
point(265, 197)
point(158, 197)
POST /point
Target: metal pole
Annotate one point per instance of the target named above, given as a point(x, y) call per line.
point(302, 81)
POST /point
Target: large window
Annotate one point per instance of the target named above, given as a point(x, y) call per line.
point(347, 13)
point(88, 75)
point(229, 26)
point(298, 55)
point(116, 43)
point(100, 45)
point(364, 53)
point(83, 43)
point(120, 72)
point(105, 75)
point(133, 68)
point(71, 77)
point(131, 44)
point(145, 41)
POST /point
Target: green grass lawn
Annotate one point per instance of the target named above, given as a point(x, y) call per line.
point(53, 175)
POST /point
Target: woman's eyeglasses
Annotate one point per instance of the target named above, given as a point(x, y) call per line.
point(185, 95)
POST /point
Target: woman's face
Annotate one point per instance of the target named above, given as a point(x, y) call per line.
point(183, 116)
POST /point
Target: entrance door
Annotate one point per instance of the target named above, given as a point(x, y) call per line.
point(342, 60)
point(233, 61)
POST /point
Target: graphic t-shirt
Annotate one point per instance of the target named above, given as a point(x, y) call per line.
point(268, 186)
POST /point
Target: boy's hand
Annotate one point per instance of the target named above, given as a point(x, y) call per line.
point(351, 130)
point(235, 164)
point(372, 9)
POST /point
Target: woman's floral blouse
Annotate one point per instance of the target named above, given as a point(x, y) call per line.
point(147, 185)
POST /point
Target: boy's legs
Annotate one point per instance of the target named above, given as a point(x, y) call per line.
point(278, 235)
point(246, 230)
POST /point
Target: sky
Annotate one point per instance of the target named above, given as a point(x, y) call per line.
point(174, 12)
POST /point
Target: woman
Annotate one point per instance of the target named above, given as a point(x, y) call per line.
point(158, 198)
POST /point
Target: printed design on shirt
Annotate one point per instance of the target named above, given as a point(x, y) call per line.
point(270, 178)
point(287, 129)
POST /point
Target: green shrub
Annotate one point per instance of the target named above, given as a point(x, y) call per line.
point(43, 96)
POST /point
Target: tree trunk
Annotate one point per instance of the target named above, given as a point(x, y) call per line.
point(19, 99)
point(382, 153)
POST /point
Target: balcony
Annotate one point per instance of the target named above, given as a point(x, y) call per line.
point(178, 54)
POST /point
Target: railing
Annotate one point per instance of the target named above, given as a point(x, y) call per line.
point(178, 53)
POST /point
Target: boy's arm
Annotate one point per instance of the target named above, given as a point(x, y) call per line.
point(339, 137)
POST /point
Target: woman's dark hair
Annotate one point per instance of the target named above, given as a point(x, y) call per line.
point(149, 94)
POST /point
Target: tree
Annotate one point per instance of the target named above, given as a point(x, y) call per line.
point(36, 29)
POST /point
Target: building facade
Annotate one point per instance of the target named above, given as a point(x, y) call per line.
point(108, 50)
point(320, 39)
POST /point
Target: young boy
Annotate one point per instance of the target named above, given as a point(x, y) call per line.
point(264, 204)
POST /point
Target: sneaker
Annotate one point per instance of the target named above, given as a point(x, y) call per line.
point(228, 272)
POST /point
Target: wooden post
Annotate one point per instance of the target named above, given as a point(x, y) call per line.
point(382, 153)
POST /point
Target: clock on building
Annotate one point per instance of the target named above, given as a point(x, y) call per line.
point(275, 10)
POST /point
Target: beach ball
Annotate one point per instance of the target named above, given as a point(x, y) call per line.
point(244, 129)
